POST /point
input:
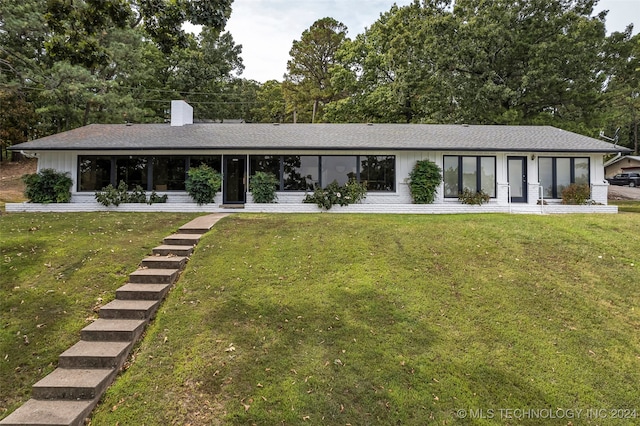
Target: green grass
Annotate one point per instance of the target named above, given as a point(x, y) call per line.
point(392, 319)
point(55, 271)
point(626, 206)
point(338, 319)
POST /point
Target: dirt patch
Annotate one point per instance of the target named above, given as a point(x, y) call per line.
point(623, 193)
point(11, 185)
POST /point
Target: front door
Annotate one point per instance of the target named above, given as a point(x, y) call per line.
point(234, 179)
point(517, 170)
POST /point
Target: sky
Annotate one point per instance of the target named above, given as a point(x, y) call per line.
point(266, 29)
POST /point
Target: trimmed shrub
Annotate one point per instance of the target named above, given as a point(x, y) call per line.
point(48, 186)
point(263, 187)
point(424, 180)
point(469, 197)
point(576, 194)
point(203, 183)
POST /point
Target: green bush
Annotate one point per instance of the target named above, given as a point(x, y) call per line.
point(116, 196)
point(469, 197)
point(203, 183)
point(263, 187)
point(424, 180)
point(352, 192)
point(48, 186)
point(110, 195)
point(155, 198)
point(576, 194)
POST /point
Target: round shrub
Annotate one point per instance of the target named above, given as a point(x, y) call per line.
point(424, 180)
point(203, 183)
point(48, 186)
point(263, 187)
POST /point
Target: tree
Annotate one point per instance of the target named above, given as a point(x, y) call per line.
point(622, 94)
point(79, 61)
point(308, 81)
point(270, 104)
point(505, 62)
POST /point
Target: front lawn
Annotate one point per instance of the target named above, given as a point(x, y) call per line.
point(394, 319)
point(55, 272)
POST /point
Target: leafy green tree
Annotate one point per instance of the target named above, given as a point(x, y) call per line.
point(507, 62)
point(622, 94)
point(270, 104)
point(79, 61)
point(308, 81)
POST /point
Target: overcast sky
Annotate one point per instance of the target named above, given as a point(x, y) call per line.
point(267, 28)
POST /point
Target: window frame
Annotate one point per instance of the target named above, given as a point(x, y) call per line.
point(555, 193)
point(322, 180)
point(478, 177)
point(150, 179)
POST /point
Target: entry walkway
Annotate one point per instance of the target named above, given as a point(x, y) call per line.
point(68, 395)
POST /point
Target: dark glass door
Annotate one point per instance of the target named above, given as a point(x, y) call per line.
point(517, 170)
point(234, 179)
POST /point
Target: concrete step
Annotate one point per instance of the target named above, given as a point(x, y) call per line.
point(133, 291)
point(153, 276)
point(164, 262)
point(201, 224)
point(113, 330)
point(182, 239)
point(165, 250)
point(85, 354)
point(129, 309)
point(42, 412)
point(74, 383)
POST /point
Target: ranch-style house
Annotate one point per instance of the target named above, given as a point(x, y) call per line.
point(522, 168)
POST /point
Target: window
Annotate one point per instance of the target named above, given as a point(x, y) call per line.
point(379, 171)
point(169, 173)
point(132, 170)
point(338, 168)
point(306, 172)
point(213, 161)
point(94, 172)
point(557, 173)
point(294, 172)
point(469, 172)
point(265, 163)
point(300, 172)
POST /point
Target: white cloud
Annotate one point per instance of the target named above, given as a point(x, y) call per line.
point(266, 29)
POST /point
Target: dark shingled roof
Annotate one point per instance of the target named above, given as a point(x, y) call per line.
point(429, 137)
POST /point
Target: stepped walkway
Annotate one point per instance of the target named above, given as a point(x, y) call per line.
point(68, 395)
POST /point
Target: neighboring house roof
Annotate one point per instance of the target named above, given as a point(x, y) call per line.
point(430, 137)
point(618, 159)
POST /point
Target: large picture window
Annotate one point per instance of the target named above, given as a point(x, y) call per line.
point(300, 172)
point(306, 172)
point(169, 173)
point(557, 173)
point(469, 172)
point(94, 172)
point(213, 161)
point(339, 168)
point(158, 173)
point(132, 170)
point(266, 164)
point(379, 172)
